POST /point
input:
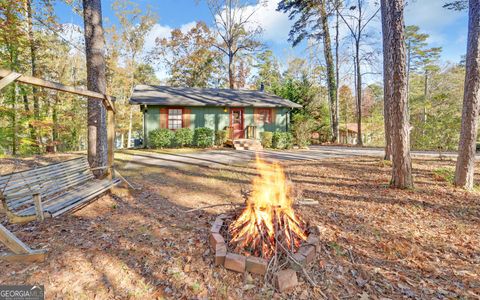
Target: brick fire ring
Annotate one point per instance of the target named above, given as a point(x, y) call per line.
point(284, 280)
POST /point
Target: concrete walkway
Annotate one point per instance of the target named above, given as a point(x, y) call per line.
point(219, 158)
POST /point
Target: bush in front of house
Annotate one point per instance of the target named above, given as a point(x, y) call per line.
point(221, 137)
point(302, 129)
point(266, 139)
point(282, 140)
point(160, 138)
point(203, 137)
point(183, 137)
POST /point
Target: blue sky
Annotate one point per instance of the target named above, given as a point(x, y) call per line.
point(447, 29)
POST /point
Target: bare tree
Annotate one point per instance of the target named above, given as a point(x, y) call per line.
point(464, 171)
point(357, 30)
point(395, 87)
point(312, 23)
point(134, 27)
point(233, 24)
point(96, 81)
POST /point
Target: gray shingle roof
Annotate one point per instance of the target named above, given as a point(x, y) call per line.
point(181, 96)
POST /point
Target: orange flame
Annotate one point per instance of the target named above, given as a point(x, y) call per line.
point(269, 217)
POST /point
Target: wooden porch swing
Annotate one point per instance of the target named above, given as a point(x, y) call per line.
point(52, 190)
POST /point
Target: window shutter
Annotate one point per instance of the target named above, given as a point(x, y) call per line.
point(186, 117)
point(163, 117)
point(273, 116)
point(255, 116)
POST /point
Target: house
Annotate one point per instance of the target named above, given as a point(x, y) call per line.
point(349, 133)
point(244, 113)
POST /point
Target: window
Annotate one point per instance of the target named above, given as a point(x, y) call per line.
point(265, 115)
point(174, 118)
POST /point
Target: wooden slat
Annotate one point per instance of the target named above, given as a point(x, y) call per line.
point(86, 199)
point(46, 187)
point(60, 87)
point(73, 160)
point(33, 256)
point(44, 175)
point(72, 197)
point(14, 205)
point(33, 181)
point(12, 242)
point(9, 79)
point(43, 185)
point(14, 178)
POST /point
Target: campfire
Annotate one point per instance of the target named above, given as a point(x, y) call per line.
point(266, 237)
point(269, 218)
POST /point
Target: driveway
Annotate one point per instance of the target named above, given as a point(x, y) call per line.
point(219, 158)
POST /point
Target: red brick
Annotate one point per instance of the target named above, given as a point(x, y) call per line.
point(286, 280)
point(216, 239)
point(257, 265)
point(300, 261)
point(217, 225)
point(313, 240)
point(235, 262)
point(220, 253)
point(308, 251)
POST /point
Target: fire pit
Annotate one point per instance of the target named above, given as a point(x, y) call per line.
point(266, 237)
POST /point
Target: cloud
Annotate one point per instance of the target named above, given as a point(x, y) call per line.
point(275, 24)
point(430, 15)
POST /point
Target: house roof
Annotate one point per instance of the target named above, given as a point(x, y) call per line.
point(182, 96)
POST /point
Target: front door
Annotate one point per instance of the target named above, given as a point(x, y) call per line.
point(236, 121)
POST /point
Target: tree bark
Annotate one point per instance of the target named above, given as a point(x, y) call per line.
point(464, 171)
point(33, 59)
point(332, 85)
point(231, 72)
point(386, 89)
point(359, 93)
point(395, 85)
point(96, 81)
point(337, 70)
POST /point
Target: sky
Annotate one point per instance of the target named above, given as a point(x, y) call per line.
point(447, 29)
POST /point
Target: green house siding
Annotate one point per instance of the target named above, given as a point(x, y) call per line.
point(216, 119)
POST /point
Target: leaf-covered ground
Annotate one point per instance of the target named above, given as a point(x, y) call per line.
point(376, 242)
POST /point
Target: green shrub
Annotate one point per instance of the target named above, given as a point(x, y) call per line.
point(221, 137)
point(160, 138)
point(444, 174)
point(478, 147)
point(282, 140)
point(266, 139)
point(302, 129)
point(203, 137)
point(183, 137)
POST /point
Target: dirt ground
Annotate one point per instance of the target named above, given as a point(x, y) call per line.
point(376, 242)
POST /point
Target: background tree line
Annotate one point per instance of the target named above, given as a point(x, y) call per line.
point(329, 81)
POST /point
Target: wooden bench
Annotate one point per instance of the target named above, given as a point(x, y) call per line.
point(47, 191)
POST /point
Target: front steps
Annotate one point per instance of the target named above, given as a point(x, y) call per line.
point(246, 144)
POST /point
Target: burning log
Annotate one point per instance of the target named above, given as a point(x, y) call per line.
point(269, 217)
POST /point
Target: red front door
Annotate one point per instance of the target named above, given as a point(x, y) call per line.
point(236, 121)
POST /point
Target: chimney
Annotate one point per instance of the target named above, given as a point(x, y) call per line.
point(262, 87)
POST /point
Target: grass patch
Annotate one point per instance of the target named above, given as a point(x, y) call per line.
point(444, 174)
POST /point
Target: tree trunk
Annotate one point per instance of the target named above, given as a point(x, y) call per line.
point(231, 72)
point(387, 86)
point(96, 81)
point(359, 93)
point(337, 71)
point(129, 136)
point(425, 99)
point(332, 86)
point(33, 59)
point(55, 137)
point(395, 83)
point(464, 171)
